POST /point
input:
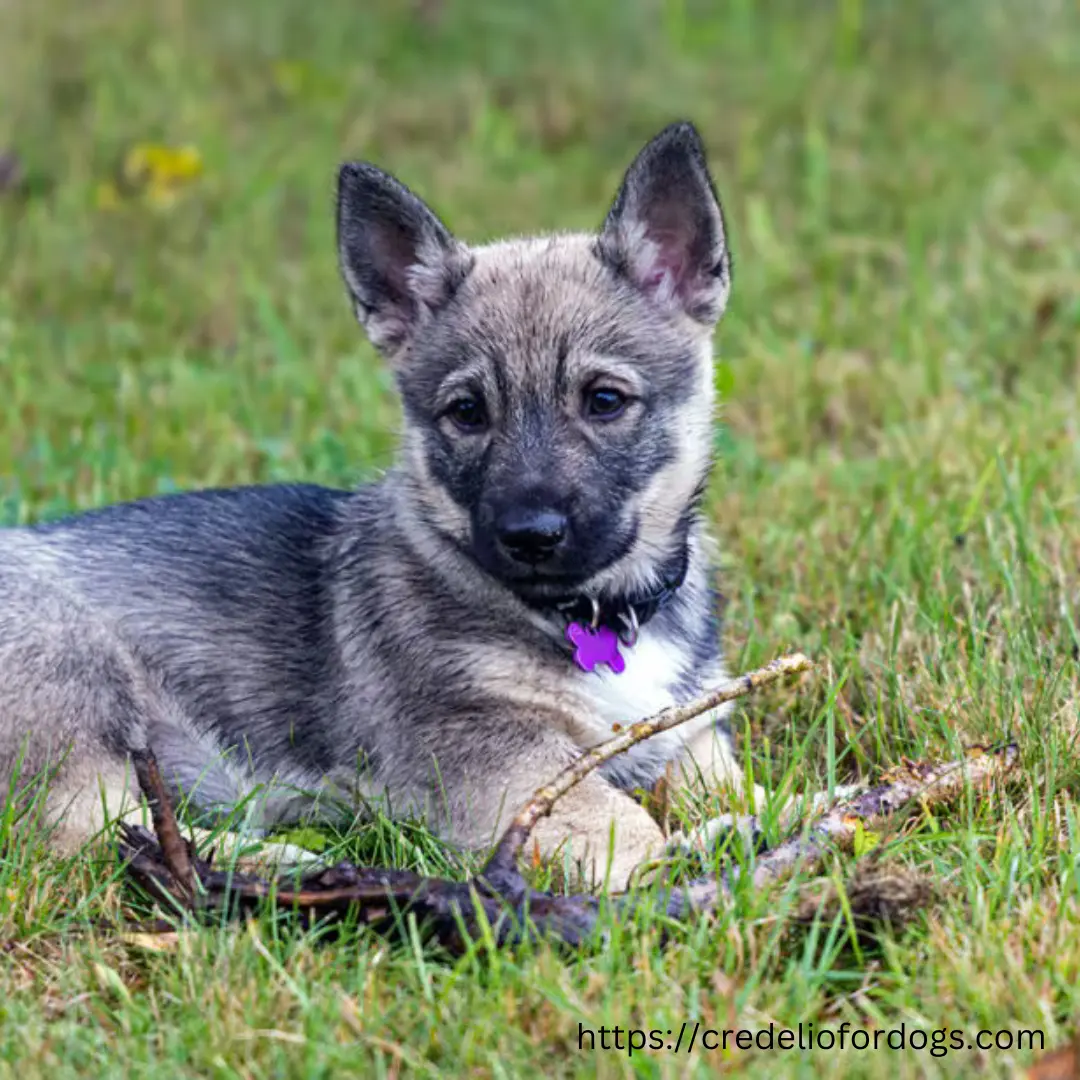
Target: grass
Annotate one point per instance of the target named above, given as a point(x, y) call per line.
point(896, 486)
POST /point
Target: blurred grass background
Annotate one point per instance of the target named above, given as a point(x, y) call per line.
point(896, 487)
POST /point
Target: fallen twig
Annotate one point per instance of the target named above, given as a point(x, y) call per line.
point(175, 852)
point(499, 898)
point(911, 782)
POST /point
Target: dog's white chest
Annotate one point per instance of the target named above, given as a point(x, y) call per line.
point(654, 667)
point(640, 689)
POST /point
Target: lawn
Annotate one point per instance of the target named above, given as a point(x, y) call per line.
point(895, 493)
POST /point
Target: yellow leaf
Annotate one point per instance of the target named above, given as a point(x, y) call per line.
point(153, 163)
point(185, 163)
point(864, 840)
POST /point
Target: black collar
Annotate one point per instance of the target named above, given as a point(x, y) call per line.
point(624, 614)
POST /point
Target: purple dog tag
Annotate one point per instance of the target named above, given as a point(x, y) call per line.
point(592, 647)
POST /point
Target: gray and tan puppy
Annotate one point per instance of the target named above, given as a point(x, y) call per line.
point(533, 570)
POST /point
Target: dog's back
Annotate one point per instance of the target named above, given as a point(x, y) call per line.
point(225, 590)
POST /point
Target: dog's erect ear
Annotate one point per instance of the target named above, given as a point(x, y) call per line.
point(398, 259)
point(665, 230)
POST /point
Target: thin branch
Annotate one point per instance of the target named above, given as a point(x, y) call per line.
point(174, 848)
point(908, 784)
point(456, 913)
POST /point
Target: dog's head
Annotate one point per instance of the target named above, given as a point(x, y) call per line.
point(558, 392)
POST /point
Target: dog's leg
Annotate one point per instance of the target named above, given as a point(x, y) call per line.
point(478, 790)
point(605, 830)
point(231, 808)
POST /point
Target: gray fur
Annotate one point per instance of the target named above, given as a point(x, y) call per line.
point(385, 644)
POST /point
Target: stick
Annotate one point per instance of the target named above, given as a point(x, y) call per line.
point(901, 787)
point(501, 869)
point(174, 848)
point(456, 912)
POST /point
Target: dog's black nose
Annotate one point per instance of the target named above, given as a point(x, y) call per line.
point(531, 536)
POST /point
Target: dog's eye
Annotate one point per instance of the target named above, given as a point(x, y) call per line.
point(604, 403)
point(468, 413)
